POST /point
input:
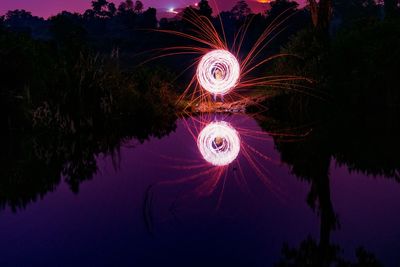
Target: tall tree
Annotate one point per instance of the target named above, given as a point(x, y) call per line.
point(138, 7)
point(241, 10)
point(111, 9)
point(278, 7)
point(98, 6)
point(149, 19)
point(205, 9)
point(129, 4)
point(1, 21)
point(126, 7)
point(321, 13)
point(392, 7)
point(101, 8)
point(122, 8)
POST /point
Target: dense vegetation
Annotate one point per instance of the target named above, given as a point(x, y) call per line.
point(72, 88)
point(74, 77)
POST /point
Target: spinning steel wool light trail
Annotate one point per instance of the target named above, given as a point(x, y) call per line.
point(227, 149)
point(227, 70)
point(218, 72)
point(219, 143)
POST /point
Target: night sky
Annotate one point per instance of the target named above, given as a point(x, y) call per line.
point(46, 8)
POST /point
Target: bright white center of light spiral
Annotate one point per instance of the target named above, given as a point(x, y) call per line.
point(218, 71)
point(219, 143)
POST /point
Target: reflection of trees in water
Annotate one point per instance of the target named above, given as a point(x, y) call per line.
point(33, 164)
point(364, 144)
point(56, 123)
point(370, 145)
point(62, 105)
point(309, 253)
point(364, 137)
point(310, 160)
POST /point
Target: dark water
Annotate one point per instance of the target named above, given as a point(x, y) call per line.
point(161, 204)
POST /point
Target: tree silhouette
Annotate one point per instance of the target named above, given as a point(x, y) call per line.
point(308, 254)
point(66, 29)
point(18, 14)
point(321, 13)
point(148, 19)
point(129, 4)
point(205, 9)
point(99, 7)
point(241, 10)
point(111, 9)
point(392, 7)
point(1, 23)
point(126, 7)
point(278, 7)
point(122, 8)
point(24, 22)
point(54, 135)
point(138, 7)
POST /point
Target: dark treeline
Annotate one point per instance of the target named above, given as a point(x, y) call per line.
point(71, 87)
point(71, 90)
point(353, 58)
point(354, 61)
point(128, 26)
point(350, 117)
point(364, 144)
point(64, 101)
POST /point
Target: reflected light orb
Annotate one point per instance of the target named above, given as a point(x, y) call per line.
point(219, 143)
point(218, 72)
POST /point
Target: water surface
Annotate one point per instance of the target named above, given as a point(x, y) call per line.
point(159, 203)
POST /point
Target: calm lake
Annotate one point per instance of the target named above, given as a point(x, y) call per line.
point(170, 202)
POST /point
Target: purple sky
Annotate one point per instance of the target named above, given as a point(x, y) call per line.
point(46, 8)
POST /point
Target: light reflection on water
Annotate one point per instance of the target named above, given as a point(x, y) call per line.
point(165, 204)
point(219, 143)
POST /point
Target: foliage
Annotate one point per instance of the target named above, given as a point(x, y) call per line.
point(369, 79)
point(66, 108)
point(280, 7)
point(241, 10)
point(310, 253)
point(205, 9)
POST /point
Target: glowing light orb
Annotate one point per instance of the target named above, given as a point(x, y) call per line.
point(219, 143)
point(218, 72)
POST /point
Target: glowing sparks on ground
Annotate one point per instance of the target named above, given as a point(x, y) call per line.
point(219, 143)
point(218, 72)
